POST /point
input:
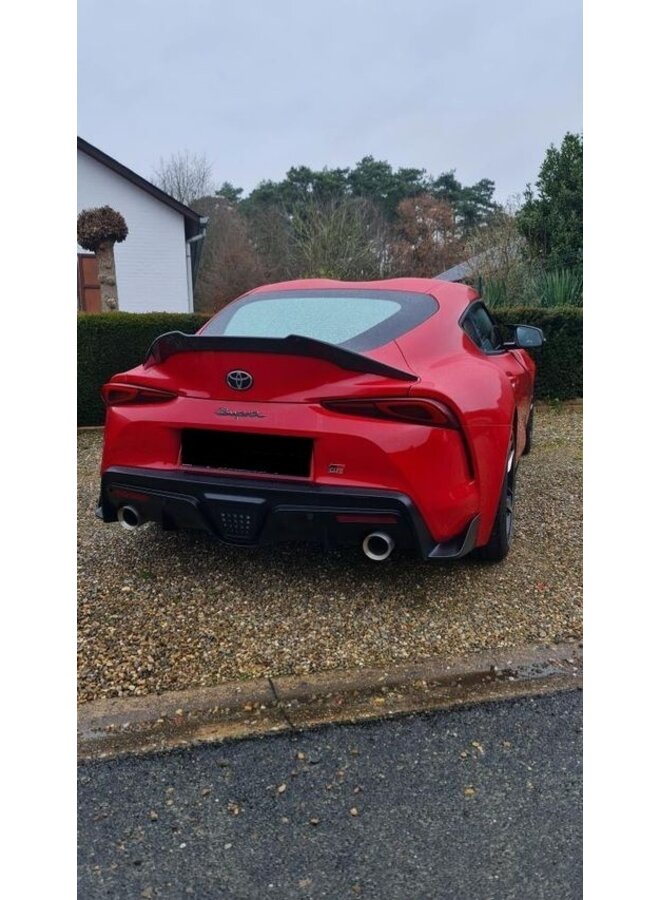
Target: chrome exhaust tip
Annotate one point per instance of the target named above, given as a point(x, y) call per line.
point(377, 546)
point(129, 518)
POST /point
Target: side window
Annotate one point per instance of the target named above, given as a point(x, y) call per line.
point(481, 328)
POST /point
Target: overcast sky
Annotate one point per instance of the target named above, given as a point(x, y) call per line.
point(479, 86)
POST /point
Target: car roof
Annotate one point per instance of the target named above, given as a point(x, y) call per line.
point(451, 297)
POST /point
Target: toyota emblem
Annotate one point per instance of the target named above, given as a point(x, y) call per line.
point(238, 380)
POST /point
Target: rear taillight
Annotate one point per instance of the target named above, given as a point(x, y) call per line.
point(420, 411)
point(124, 394)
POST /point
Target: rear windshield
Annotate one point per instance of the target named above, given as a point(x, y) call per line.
point(358, 319)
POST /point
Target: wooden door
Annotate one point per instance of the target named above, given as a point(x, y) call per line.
point(89, 291)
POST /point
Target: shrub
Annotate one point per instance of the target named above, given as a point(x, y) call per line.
point(495, 293)
point(96, 226)
point(113, 342)
point(563, 287)
point(559, 361)
point(548, 290)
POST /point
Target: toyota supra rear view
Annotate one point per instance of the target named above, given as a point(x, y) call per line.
point(380, 414)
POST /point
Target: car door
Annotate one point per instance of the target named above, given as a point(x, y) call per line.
point(484, 331)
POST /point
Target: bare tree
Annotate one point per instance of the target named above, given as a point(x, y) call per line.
point(230, 264)
point(185, 176)
point(500, 262)
point(270, 231)
point(345, 239)
point(429, 238)
point(99, 229)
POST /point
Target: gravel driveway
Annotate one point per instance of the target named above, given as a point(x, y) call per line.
point(167, 611)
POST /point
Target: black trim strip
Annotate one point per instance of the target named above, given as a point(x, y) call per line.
point(294, 345)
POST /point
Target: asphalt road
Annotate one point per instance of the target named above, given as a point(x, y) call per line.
point(477, 803)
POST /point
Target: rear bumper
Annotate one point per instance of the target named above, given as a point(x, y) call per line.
point(253, 512)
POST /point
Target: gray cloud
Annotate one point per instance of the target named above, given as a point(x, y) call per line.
point(475, 85)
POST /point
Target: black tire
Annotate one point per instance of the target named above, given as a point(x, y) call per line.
point(529, 431)
point(501, 536)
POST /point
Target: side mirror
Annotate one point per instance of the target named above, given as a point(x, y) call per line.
point(526, 337)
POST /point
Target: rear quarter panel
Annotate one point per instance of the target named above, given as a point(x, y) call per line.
point(452, 369)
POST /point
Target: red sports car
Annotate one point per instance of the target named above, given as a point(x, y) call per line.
point(379, 413)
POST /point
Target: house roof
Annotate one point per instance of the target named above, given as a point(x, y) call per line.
point(458, 272)
point(193, 223)
point(489, 259)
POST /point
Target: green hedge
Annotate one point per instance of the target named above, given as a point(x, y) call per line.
point(559, 361)
point(113, 342)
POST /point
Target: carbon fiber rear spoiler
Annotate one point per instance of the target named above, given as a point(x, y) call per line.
point(294, 345)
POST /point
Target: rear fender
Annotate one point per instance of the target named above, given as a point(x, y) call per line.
point(482, 398)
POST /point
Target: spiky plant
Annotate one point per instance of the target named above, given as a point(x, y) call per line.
point(562, 287)
point(495, 293)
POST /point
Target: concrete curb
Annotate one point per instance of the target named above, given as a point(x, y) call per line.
point(109, 728)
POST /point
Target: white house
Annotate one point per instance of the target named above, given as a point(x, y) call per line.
point(156, 263)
